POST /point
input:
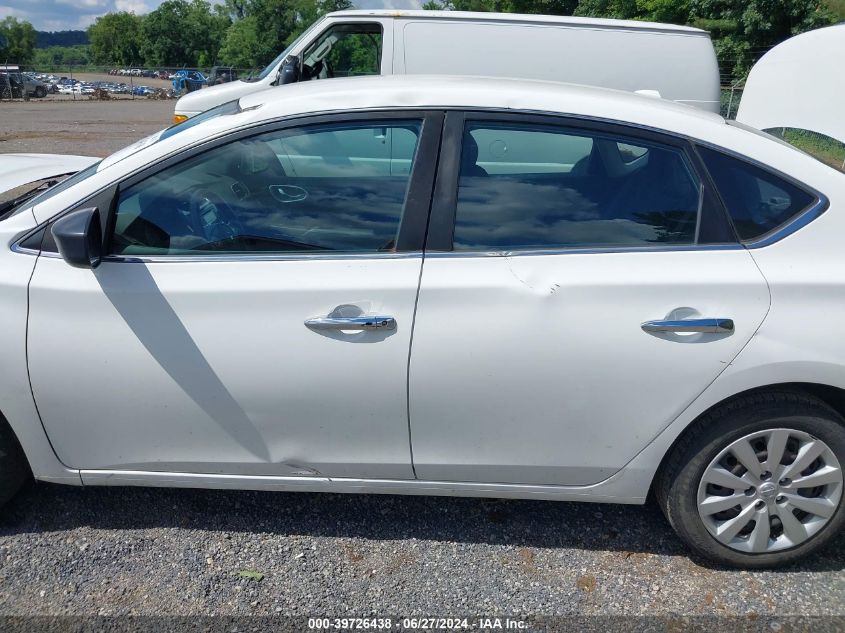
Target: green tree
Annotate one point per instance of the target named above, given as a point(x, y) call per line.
point(242, 47)
point(62, 57)
point(547, 7)
point(182, 33)
point(837, 7)
point(17, 41)
point(671, 11)
point(236, 9)
point(262, 29)
point(744, 29)
point(116, 39)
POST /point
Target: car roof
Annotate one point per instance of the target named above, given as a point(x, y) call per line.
point(476, 16)
point(421, 91)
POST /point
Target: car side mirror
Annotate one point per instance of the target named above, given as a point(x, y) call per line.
point(79, 238)
point(289, 71)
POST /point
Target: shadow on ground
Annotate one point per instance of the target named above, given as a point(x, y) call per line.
point(543, 524)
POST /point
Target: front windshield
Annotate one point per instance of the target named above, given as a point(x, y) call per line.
point(272, 66)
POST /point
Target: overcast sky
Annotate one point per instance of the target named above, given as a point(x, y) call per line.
point(62, 15)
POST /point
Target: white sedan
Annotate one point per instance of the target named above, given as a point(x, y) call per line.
point(443, 286)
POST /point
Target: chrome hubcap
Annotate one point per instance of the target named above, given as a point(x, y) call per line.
point(770, 491)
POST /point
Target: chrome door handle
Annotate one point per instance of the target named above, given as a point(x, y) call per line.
point(708, 326)
point(352, 323)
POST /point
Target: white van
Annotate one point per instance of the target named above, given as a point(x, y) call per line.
point(677, 62)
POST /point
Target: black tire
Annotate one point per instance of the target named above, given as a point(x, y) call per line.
point(5, 92)
point(40, 92)
point(676, 486)
point(14, 469)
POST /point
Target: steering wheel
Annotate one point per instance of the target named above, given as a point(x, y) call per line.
point(213, 217)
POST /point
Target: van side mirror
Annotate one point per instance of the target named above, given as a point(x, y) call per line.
point(289, 71)
point(79, 238)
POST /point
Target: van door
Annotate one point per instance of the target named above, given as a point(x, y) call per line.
point(677, 62)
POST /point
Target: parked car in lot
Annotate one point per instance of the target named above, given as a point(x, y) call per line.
point(676, 62)
point(607, 295)
point(15, 84)
point(79, 88)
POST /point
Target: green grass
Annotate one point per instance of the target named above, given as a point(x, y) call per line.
point(824, 148)
point(837, 6)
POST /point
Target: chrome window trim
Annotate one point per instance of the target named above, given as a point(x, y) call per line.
point(794, 225)
point(591, 250)
point(270, 257)
point(164, 259)
point(17, 248)
point(253, 257)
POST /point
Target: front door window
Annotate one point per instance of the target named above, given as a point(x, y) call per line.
point(323, 188)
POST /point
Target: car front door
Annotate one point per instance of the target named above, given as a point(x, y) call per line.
point(253, 316)
point(581, 287)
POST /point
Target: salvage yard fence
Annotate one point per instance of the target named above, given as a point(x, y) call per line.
point(66, 70)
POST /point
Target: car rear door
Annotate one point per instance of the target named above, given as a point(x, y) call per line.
point(247, 321)
point(581, 287)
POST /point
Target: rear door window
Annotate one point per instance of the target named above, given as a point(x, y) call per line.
point(526, 186)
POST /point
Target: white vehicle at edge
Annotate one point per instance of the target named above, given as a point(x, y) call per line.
point(608, 294)
point(676, 62)
point(20, 170)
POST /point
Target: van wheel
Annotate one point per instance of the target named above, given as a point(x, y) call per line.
point(757, 482)
point(14, 469)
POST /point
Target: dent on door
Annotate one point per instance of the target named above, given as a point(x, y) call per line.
point(210, 367)
point(536, 369)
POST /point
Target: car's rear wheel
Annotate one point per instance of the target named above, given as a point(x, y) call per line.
point(14, 469)
point(40, 92)
point(758, 482)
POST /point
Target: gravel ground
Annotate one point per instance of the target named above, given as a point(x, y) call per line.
point(154, 551)
point(60, 125)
